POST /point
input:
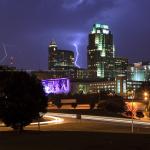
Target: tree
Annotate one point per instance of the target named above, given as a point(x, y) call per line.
point(23, 99)
point(59, 105)
point(112, 104)
point(92, 105)
point(74, 105)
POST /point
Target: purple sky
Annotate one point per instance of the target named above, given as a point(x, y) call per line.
point(27, 26)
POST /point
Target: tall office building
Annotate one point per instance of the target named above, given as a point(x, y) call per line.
point(60, 62)
point(102, 62)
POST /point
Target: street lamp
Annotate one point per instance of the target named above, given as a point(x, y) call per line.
point(146, 98)
point(146, 95)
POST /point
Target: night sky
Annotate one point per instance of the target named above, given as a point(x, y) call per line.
point(27, 27)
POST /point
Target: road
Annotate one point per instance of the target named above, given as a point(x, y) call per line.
point(95, 124)
point(49, 120)
point(68, 122)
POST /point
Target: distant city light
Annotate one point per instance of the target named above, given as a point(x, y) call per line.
point(56, 86)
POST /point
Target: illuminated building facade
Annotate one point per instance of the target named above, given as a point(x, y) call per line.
point(139, 71)
point(56, 86)
point(80, 73)
point(102, 62)
point(60, 62)
point(120, 66)
point(93, 86)
point(120, 86)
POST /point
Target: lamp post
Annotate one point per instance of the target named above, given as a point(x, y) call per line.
point(132, 117)
point(146, 98)
point(132, 125)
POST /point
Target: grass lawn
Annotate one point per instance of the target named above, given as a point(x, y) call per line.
point(69, 140)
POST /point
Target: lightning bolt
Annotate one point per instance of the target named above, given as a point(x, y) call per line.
point(77, 55)
point(3, 59)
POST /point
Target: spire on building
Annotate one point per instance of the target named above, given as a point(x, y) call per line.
point(53, 44)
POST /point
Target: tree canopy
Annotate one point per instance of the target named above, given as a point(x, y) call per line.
point(22, 99)
point(114, 104)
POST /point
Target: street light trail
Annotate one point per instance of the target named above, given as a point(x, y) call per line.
point(99, 118)
point(54, 120)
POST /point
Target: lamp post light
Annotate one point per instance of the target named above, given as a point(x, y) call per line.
point(146, 98)
point(146, 95)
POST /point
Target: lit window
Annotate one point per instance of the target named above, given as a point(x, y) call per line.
point(98, 31)
point(105, 31)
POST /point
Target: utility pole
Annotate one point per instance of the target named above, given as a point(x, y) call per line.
point(132, 118)
point(132, 124)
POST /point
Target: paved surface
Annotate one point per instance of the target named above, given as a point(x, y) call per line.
point(76, 134)
point(70, 124)
point(70, 140)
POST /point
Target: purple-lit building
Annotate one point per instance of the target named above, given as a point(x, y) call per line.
point(56, 86)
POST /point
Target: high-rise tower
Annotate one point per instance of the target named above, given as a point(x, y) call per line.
point(52, 54)
point(101, 41)
point(101, 53)
point(60, 62)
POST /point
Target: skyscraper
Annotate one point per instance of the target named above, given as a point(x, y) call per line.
point(60, 62)
point(101, 53)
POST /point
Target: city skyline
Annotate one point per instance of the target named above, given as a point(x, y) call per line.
point(28, 26)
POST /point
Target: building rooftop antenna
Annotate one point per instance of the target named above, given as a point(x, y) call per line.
point(12, 61)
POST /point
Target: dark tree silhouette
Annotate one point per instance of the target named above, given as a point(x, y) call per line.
point(22, 99)
point(139, 114)
point(74, 105)
point(112, 104)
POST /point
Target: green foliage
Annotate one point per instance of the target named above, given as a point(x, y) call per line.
point(22, 99)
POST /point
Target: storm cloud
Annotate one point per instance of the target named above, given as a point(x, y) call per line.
point(27, 27)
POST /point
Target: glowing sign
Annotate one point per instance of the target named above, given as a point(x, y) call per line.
point(56, 86)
